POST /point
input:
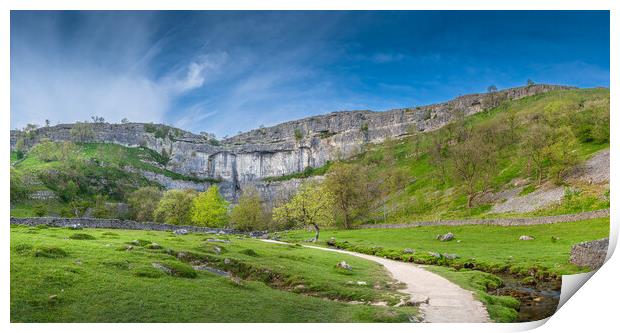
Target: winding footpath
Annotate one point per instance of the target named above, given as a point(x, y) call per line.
point(441, 300)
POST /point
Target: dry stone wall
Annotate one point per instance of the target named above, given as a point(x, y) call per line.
point(590, 254)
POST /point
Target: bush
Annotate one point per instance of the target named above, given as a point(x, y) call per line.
point(148, 272)
point(210, 209)
point(249, 214)
point(82, 237)
point(174, 207)
point(143, 202)
point(49, 252)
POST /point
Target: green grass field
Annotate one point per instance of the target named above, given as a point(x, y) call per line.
point(487, 248)
point(62, 275)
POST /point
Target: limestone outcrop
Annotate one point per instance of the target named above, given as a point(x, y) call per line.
point(290, 147)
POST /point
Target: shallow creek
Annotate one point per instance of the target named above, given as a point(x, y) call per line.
point(537, 302)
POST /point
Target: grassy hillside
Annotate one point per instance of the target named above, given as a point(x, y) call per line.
point(62, 275)
point(80, 176)
point(418, 172)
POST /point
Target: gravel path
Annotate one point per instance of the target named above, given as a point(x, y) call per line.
point(441, 300)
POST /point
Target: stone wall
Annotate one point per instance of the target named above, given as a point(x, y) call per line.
point(120, 224)
point(590, 254)
point(500, 221)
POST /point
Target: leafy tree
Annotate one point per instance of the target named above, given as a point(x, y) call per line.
point(124, 121)
point(534, 146)
point(143, 202)
point(530, 82)
point(20, 148)
point(174, 207)
point(249, 213)
point(312, 206)
point(473, 160)
point(562, 154)
point(352, 190)
point(47, 123)
point(82, 132)
point(19, 189)
point(210, 209)
point(492, 88)
point(100, 210)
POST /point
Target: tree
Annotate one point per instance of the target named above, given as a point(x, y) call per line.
point(353, 192)
point(534, 146)
point(143, 202)
point(562, 154)
point(20, 148)
point(47, 123)
point(124, 121)
point(473, 161)
point(530, 82)
point(97, 119)
point(210, 209)
point(82, 132)
point(249, 213)
point(174, 207)
point(312, 206)
point(491, 89)
point(19, 189)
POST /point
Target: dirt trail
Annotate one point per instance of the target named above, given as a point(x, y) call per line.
point(447, 302)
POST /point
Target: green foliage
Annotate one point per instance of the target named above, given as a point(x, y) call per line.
point(298, 134)
point(312, 205)
point(352, 192)
point(82, 132)
point(143, 202)
point(250, 214)
point(82, 236)
point(19, 189)
point(52, 252)
point(308, 172)
point(210, 209)
point(174, 207)
point(364, 127)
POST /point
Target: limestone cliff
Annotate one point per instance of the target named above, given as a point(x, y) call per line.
point(282, 149)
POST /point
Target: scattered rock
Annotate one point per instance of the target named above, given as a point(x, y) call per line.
point(450, 256)
point(181, 232)
point(458, 241)
point(526, 238)
point(554, 239)
point(362, 283)
point(75, 226)
point(213, 240)
point(53, 298)
point(227, 261)
point(153, 246)
point(217, 249)
point(78, 262)
point(162, 268)
point(236, 280)
point(343, 264)
point(211, 269)
point(409, 251)
point(445, 237)
point(331, 241)
point(435, 254)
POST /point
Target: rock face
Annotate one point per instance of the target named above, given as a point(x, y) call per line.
point(291, 147)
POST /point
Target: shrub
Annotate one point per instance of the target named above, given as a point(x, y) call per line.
point(49, 252)
point(210, 209)
point(174, 207)
point(143, 202)
point(298, 134)
point(148, 272)
point(82, 237)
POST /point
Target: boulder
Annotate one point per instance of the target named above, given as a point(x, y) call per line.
point(181, 232)
point(435, 254)
point(445, 237)
point(343, 264)
point(408, 251)
point(526, 238)
point(450, 256)
point(331, 241)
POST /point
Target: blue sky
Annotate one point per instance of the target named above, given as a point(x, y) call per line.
point(224, 72)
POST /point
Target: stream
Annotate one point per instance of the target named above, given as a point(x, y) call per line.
point(537, 301)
